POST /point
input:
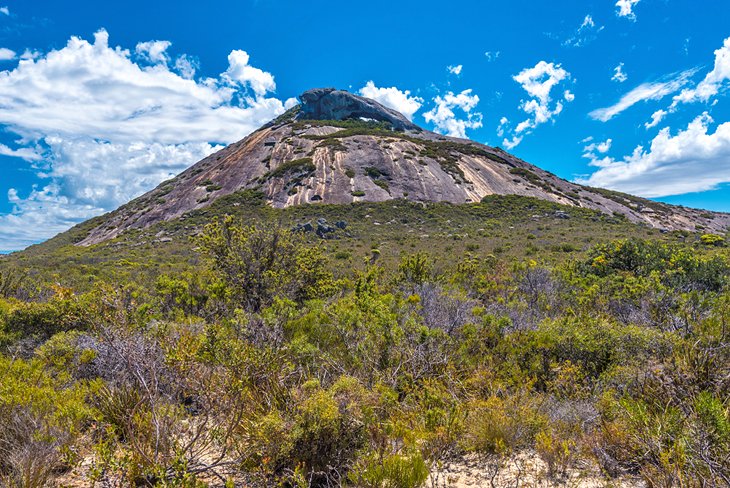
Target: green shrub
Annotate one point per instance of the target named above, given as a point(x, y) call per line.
point(391, 471)
point(295, 166)
point(42, 417)
point(260, 264)
point(712, 240)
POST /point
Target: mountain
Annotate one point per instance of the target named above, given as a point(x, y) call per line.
point(337, 147)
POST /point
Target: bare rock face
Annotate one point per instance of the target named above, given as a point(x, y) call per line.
point(332, 104)
point(323, 152)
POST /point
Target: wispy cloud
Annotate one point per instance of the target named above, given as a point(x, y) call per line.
point(587, 31)
point(646, 91)
point(618, 74)
point(713, 81)
point(492, 55)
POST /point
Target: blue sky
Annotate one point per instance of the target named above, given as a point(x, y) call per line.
point(100, 101)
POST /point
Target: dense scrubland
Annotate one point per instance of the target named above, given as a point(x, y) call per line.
point(265, 357)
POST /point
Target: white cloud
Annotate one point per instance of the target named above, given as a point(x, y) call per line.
point(154, 51)
point(245, 75)
point(4, 10)
point(492, 55)
point(400, 101)
point(503, 126)
point(646, 91)
point(587, 31)
point(656, 117)
point(618, 74)
point(6, 54)
point(27, 153)
point(455, 70)
point(538, 82)
point(110, 129)
point(79, 163)
point(626, 9)
point(597, 147)
point(43, 213)
point(28, 54)
point(512, 143)
point(186, 66)
point(446, 120)
point(713, 81)
point(693, 160)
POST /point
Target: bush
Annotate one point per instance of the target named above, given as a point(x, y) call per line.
point(392, 471)
point(41, 422)
point(10, 282)
point(712, 240)
point(41, 320)
point(320, 440)
point(502, 426)
point(260, 264)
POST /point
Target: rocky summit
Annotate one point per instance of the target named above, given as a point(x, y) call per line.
point(337, 148)
point(333, 104)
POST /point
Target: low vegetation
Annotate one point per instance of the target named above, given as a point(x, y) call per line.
point(252, 357)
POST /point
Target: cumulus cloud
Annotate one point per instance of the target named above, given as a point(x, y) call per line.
point(445, 119)
point(646, 91)
point(239, 71)
point(656, 117)
point(713, 81)
point(618, 74)
point(4, 10)
point(626, 9)
point(455, 70)
point(400, 101)
point(6, 54)
point(154, 51)
point(109, 128)
point(492, 55)
point(597, 148)
point(693, 160)
point(538, 82)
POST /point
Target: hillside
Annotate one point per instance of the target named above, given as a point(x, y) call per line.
point(441, 315)
point(340, 148)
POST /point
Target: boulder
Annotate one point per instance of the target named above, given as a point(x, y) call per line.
point(324, 229)
point(333, 104)
point(305, 227)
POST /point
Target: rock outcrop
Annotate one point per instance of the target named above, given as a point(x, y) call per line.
point(323, 153)
point(332, 104)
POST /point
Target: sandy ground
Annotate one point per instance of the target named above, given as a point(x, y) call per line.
point(524, 470)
